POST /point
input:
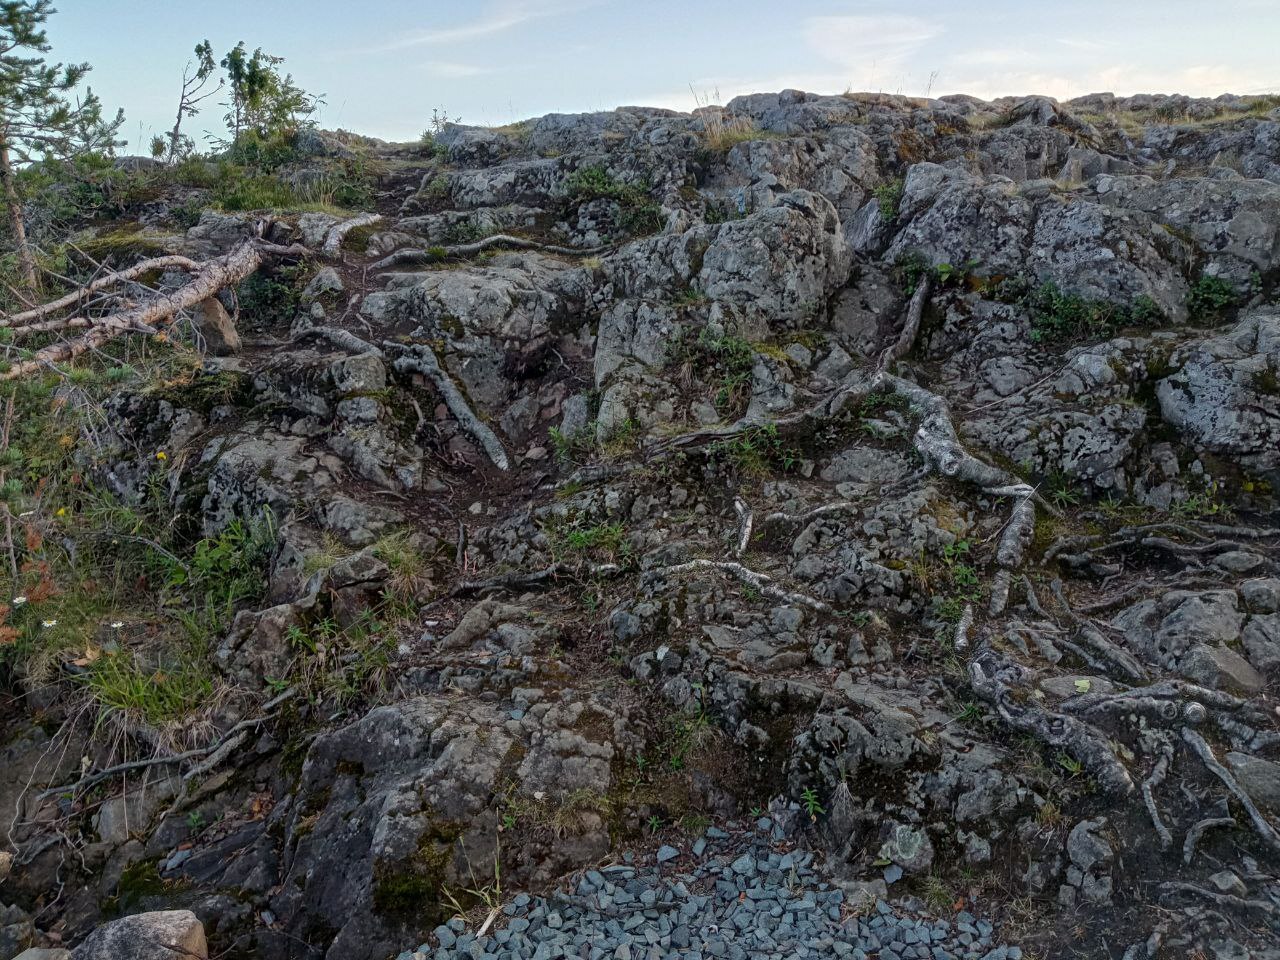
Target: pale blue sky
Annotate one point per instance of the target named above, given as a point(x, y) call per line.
point(383, 64)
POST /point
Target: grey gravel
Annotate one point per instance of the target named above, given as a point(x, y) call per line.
point(739, 899)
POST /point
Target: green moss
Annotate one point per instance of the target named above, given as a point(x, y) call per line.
point(358, 238)
point(206, 391)
point(406, 894)
point(140, 886)
point(414, 889)
point(1265, 381)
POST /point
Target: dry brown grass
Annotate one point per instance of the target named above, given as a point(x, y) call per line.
point(722, 132)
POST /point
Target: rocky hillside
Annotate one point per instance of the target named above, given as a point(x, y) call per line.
point(900, 474)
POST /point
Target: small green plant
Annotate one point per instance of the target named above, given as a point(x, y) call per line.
point(195, 821)
point(621, 439)
point(756, 451)
point(1209, 299)
point(574, 447)
point(1069, 764)
point(572, 539)
point(437, 188)
point(935, 892)
point(970, 712)
point(272, 298)
point(1057, 316)
point(1049, 815)
point(1061, 492)
point(812, 806)
point(721, 359)
point(889, 196)
point(695, 824)
point(1203, 505)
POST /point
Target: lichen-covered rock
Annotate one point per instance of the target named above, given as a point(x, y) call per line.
point(1224, 396)
point(146, 936)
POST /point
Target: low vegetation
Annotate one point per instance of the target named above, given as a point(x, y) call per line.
point(640, 214)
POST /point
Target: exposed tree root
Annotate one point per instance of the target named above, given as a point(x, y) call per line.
point(1038, 634)
point(760, 581)
point(806, 516)
point(1122, 659)
point(344, 339)
point(1260, 823)
point(512, 581)
point(1221, 899)
point(939, 445)
point(1197, 831)
point(910, 327)
point(1000, 584)
point(420, 358)
point(338, 232)
point(1033, 601)
point(1158, 773)
point(79, 298)
point(1017, 533)
point(744, 525)
point(436, 254)
point(856, 382)
point(217, 749)
point(988, 676)
point(961, 638)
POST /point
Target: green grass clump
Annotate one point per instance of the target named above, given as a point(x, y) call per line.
point(756, 452)
point(640, 214)
point(154, 694)
point(721, 360)
point(571, 540)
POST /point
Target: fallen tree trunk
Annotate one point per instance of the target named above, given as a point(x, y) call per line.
point(210, 277)
point(77, 297)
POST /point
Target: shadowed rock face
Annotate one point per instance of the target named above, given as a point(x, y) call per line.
point(961, 623)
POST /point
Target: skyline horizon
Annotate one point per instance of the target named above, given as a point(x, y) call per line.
point(382, 71)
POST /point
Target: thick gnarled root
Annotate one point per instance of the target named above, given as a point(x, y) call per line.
point(420, 358)
point(990, 679)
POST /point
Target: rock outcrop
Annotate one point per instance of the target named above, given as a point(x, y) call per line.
point(647, 514)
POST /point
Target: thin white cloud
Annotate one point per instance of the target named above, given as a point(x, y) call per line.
point(499, 17)
point(993, 57)
point(1064, 81)
point(1079, 43)
point(864, 53)
point(454, 71)
point(859, 40)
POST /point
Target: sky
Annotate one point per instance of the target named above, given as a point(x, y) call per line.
point(383, 65)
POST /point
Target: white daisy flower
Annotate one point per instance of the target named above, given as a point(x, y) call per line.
point(19, 601)
point(48, 623)
point(117, 625)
